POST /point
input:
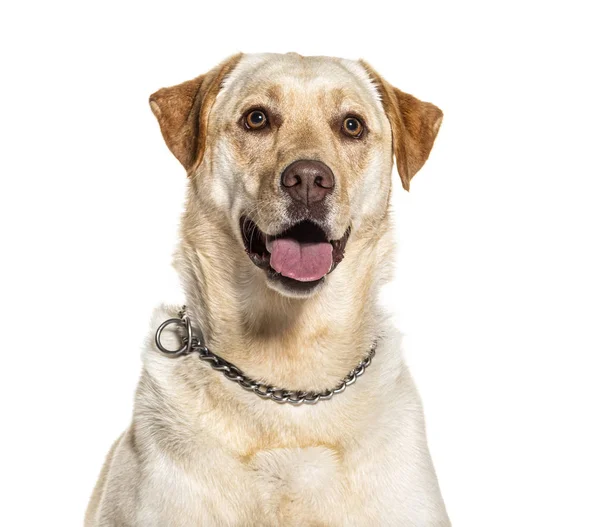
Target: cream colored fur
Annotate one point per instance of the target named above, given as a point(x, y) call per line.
point(202, 451)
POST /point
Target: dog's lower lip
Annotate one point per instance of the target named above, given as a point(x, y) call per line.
point(259, 245)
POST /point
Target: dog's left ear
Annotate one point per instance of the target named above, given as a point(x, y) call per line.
point(182, 113)
point(414, 123)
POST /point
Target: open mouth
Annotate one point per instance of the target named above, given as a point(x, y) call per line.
point(300, 256)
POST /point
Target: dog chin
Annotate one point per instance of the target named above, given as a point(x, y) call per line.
point(293, 288)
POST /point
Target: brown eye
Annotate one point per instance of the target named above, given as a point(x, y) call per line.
point(255, 120)
point(353, 127)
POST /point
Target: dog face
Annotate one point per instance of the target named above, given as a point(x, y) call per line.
point(295, 153)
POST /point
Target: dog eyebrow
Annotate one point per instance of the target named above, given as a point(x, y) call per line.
point(274, 93)
point(272, 96)
point(342, 100)
point(338, 95)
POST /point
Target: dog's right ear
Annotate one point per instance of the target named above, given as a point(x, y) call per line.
point(182, 113)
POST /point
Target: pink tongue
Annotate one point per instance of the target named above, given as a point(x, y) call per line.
point(304, 262)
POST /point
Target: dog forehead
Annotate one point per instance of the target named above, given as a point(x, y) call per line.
point(275, 75)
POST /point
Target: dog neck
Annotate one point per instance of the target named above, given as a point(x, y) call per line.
point(296, 343)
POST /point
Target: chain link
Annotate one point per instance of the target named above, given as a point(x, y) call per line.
point(191, 344)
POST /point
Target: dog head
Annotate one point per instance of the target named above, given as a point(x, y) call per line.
point(295, 154)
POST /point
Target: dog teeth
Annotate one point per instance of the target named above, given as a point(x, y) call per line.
point(269, 243)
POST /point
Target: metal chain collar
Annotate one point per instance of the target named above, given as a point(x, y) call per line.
point(191, 344)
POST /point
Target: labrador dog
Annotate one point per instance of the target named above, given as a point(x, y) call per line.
point(286, 239)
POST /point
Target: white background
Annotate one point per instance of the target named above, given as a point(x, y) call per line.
point(497, 283)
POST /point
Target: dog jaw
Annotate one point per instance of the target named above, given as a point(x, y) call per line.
point(296, 260)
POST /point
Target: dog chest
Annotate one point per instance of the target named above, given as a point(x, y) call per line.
point(298, 485)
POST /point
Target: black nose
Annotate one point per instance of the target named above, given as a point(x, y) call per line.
point(308, 181)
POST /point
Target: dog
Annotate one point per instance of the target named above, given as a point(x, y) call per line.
point(286, 240)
